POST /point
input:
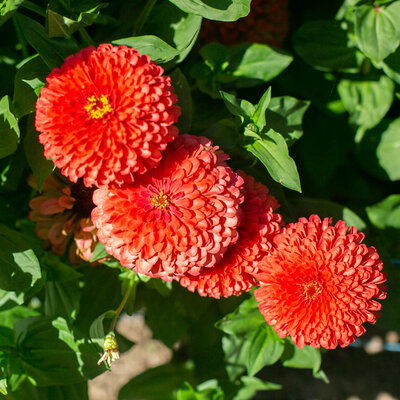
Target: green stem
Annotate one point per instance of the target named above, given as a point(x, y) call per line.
point(143, 17)
point(21, 38)
point(131, 290)
point(34, 7)
point(86, 39)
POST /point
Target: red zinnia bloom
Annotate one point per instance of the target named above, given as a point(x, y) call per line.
point(321, 283)
point(105, 114)
point(233, 274)
point(178, 218)
point(267, 22)
point(61, 213)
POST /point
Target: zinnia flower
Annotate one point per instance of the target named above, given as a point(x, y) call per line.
point(321, 283)
point(105, 114)
point(61, 212)
point(267, 23)
point(178, 218)
point(234, 273)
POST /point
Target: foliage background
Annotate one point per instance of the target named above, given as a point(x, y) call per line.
point(334, 86)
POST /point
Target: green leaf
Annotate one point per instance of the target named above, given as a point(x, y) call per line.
point(8, 8)
point(162, 287)
point(259, 114)
point(252, 385)
point(33, 149)
point(272, 151)
point(62, 299)
point(233, 104)
point(20, 266)
point(387, 150)
point(96, 330)
point(208, 390)
point(285, 115)
point(257, 61)
point(3, 386)
point(27, 391)
point(52, 51)
point(391, 66)
point(182, 91)
point(175, 27)
point(56, 270)
point(11, 299)
point(99, 252)
point(63, 21)
point(9, 130)
point(154, 47)
point(9, 317)
point(169, 378)
point(220, 10)
point(266, 347)
point(367, 101)
point(305, 358)
point(246, 318)
point(323, 44)
point(386, 214)
point(29, 79)
point(52, 354)
point(377, 29)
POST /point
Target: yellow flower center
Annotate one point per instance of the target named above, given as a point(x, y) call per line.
point(160, 200)
point(312, 290)
point(97, 107)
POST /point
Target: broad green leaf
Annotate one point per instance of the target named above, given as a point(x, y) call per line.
point(323, 44)
point(3, 386)
point(41, 167)
point(386, 214)
point(307, 357)
point(177, 28)
point(162, 287)
point(378, 29)
point(391, 66)
point(220, 10)
point(9, 317)
point(251, 385)
point(27, 391)
point(56, 270)
point(266, 347)
point(285, 115)
point(208, 390)
point(246, 318)
point(8, 8)
point(259, 114)
point(154, 47)
point(52, 51)
point(63, 21)
point(96, 330)
point(367, 101)
point(236, 350)
point(257, 61)
point(182, 91)
point(232, 103)
point(387, 150)
point(272, 151)
point(52, 354)
point(62, 299)
point(29, 79)
point(9, 129)
point(99, 252)
point(169, 378)
point(20, 266)
point(11, 299)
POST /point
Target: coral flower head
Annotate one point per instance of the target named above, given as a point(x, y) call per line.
point(106, 114)
point(321, 284)
point(234, 273)
point(178, 218)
